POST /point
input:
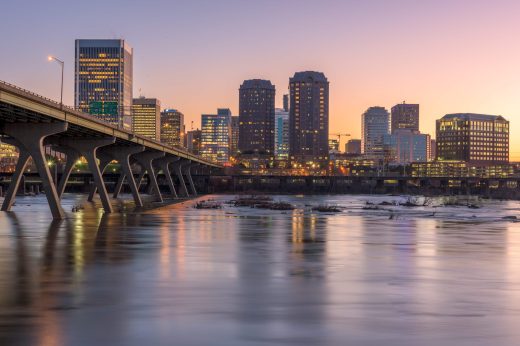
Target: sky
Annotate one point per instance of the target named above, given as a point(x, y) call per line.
point(449, 56)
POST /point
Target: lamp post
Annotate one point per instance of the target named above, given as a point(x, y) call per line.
point(53, 58)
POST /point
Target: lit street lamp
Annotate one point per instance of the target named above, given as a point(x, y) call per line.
point(51, 58)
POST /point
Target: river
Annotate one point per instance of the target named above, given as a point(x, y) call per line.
point(176, 275)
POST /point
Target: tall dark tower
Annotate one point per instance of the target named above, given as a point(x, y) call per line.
point(405, 116)
point(256, 117)
point(309, 118)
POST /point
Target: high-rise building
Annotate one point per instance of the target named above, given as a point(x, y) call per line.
point(433, 149)
point(146, 117)
point(235, 134)
point(103, 80)
point(215, 137)
point(353, 146)
point(286, 102)
point(172, 127)
point(473, 138)
point(309, 118)
point(281, 139)
point(374, 125)
point(406, 146)
point(256, 116)
point(193, 139)
point(405, 116)
point(333, 146)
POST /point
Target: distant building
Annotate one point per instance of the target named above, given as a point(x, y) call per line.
point(433, 149)
point(405, 116)
point(103, 80)
point(281, 139)
point(333, 146)
point(286, 102)
point(172, 127)
point(473, 138)
point(146, 117)
point(193, 141)
point(256, 116)
point(374, 126)
point(460, 169)
point(405, 146)
point(353, 146)
point(309, 118)
point(215, 137)
point(235, 133)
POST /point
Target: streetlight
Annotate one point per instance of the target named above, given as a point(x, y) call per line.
point(53, 58)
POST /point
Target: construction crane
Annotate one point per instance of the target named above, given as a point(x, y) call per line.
point(339, 135)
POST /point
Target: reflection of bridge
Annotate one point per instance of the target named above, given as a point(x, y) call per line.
point(31, 122)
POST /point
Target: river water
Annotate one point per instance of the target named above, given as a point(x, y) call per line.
point(242, 276)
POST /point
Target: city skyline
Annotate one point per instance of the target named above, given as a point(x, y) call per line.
point(434, 65)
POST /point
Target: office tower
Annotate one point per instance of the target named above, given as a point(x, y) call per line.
point(215, 137)
point(286, 102)
point(309, 118)
point(281, 130)
point(433, 149)
point(103, 80)
point(172, 127)
point(193, 139)
point(235, 129)
point(146, 117)
point(374, 125)
point(405, 116)
point(474, 138)
point(353, 146)
point(405, 146)
point(256, 116)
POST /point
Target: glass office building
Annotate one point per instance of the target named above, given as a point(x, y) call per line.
point(146, 117)
point(216, 136)
point(407, 146)
point(172, 127)
point(374, 126)
point(281, 130)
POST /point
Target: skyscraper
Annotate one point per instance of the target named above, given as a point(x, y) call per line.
point(353, 146)
point(406, 146)
point(146, 117)
point(475, 138)
point(103, 80)
point(215, 137)
point(256, 117)
point(405, 116)
point(172, 127)
point(286, 102)
point(309, 118)
point(374, 125)
point(281, 139)
point(193, 139)
point(235, 133)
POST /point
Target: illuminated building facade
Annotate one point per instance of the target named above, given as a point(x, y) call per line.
point(281, 130)
point(406, 146)
point(215, 137)
point(235, 134)
point(256, 117)
point(8, 158)
point(193, 140)
point(146, 117)
point(374, 126)
point(103, 80)
point(333, 146)
point(473, 138)
point(353, 146)
point(172, 127)
point(460, 169)
point(309, 118)
point(405, 116)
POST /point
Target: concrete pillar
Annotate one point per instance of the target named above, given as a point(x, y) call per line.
point(177, 168)
point(122, 154)
point(88, 149)
point(145, 159)
point(187, 172)
point(29, 139)
point(104, 160)
point(72, 157)
point(163, 164)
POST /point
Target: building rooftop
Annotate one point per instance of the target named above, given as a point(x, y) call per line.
point(309, 75)
point(473, 116)
point(257, 83)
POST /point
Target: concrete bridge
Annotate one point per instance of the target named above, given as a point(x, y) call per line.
point(32, 122)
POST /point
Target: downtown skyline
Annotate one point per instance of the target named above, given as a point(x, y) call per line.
point(437, 55)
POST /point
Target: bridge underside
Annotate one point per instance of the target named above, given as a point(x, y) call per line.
point(31, 132)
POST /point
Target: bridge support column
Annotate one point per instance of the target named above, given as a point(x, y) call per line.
point(104, 160)
point(164, 165)
point(72, 157)
point(29, 140)
point(122, 155)
point(88, 149)
point(177, 167)
point(145, 159)
point(187, 172)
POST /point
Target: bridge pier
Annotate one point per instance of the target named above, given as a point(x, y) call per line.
point(164, 165)
point(72, 157)
point(177, 168)
point(145, 159)
point(29, 140)
point(187, 172)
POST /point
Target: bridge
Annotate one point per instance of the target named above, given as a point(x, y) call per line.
point(31, 122)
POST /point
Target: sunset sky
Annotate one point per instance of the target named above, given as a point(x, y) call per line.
point(447, 55)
